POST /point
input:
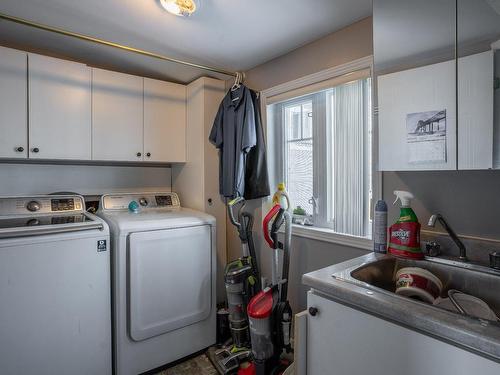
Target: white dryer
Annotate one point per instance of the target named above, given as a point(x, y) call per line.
point(164, 273)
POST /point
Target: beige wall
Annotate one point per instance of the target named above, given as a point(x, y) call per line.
point(348, 44)
point(345, 45)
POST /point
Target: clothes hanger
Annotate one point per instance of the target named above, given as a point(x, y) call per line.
point(237, 82)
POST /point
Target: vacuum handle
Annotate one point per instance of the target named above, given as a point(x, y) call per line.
point(265, 224)
point(277, 223)
point(230, 206)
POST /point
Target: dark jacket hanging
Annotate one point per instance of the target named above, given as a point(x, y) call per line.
point(256, 175)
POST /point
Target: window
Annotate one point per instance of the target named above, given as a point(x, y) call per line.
point(320, 146)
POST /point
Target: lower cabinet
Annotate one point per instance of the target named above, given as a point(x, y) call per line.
point(344, 341)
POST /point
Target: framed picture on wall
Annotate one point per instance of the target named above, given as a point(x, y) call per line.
point(426, 136)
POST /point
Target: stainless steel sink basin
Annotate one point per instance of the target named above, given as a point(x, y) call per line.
point(478, 281)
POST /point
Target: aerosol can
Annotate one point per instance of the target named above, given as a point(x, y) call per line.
point(380, 227)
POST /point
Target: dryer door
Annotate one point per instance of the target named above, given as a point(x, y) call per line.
point(170, 280)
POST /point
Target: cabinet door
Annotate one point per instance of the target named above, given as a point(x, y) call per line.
point(59, 109)
point(13, 104)
point(414, 62)
point(478, 49)
point(117, 116)
point(417, 118)
point(342, 340)
point(164, 121)
point(475, 111)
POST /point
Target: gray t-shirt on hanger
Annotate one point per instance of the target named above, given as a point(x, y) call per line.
point(233, 133)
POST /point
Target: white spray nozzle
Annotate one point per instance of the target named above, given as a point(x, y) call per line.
point(404, 196)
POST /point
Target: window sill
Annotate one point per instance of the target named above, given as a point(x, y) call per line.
point(327, 235)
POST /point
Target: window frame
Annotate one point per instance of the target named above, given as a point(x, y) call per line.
point(277, 170)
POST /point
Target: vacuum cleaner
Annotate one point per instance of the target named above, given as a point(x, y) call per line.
point(269, 311)
point(242, 282)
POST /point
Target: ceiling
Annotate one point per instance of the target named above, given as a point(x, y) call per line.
point(229, 34)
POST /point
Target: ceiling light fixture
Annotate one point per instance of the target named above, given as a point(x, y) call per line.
point(180, 7)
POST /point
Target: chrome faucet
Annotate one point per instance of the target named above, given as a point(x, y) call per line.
point(451, 232)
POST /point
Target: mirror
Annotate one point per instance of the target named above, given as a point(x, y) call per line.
point(415, 74)
point(478, 71)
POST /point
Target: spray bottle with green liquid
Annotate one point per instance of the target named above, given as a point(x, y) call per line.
point(404, 234)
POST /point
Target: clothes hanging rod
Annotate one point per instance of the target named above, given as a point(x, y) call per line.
point(87, 38)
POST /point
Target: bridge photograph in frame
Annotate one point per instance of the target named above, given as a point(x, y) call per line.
point(426, 136)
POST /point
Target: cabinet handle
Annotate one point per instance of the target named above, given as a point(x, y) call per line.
point(313, 311)
point(35, 150)
point(20, 149)
point(138, 154)
point(148, 154)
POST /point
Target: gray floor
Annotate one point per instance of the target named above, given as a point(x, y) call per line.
point(199, 365)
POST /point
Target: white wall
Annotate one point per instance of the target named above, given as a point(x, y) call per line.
point(197, 181)
point(26, 179)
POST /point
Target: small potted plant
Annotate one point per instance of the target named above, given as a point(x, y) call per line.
point(299, 215)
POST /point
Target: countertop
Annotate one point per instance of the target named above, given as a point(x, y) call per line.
point(478, 336)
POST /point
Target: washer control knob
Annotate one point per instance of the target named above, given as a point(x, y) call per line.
point(33, 206)
point(143, 202)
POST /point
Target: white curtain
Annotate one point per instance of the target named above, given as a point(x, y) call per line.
point(349, 154)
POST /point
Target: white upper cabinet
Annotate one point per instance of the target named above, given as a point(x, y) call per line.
point(59, 109)
point(117, 116)
point(437, 68)
point(56, 109)
point(164, 121)
point(417, 118)
point(13, 104)
point(415, 72)
point(478, 74)
point(475, 111)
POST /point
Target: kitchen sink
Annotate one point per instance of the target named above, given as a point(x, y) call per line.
point(479, 281)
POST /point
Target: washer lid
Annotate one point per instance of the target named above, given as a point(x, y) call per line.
point(154, 219)
point(44, 214)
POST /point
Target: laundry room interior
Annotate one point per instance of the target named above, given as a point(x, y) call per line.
point(249, 187)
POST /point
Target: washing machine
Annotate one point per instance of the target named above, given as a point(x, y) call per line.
point(163, 283)
point(55, 287)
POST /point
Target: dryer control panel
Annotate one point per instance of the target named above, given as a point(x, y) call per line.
point(145, 200)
